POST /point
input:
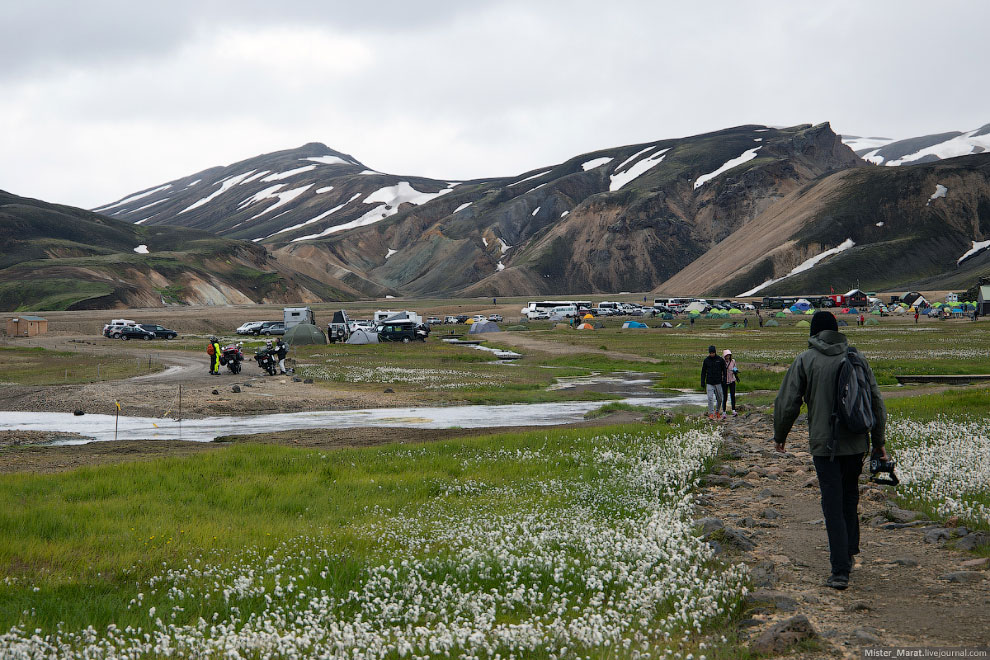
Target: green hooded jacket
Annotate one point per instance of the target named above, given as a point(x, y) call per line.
point(811, 378)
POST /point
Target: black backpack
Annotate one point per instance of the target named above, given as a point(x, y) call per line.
point(853, 406)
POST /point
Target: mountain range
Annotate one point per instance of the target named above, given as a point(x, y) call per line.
point(751, 209)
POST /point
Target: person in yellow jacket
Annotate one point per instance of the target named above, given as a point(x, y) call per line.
point(213, 350)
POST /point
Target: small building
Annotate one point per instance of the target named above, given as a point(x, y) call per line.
point(26, 326)
point(983, 300)
point(951, 297)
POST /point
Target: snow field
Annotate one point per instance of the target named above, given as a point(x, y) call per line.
point(746, 156)
point(598, 559)
point(806, 265)
point(620, 179)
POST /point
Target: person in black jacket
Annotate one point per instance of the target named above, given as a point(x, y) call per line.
point(281, 350)
point(713, 376)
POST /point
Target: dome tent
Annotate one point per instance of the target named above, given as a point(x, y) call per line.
point(484, 326)
point(586, 326)
point(802, 324)
point(872, 321)
point(771, 324)
point(363, 337)
point(633, 324)
point(304, 333)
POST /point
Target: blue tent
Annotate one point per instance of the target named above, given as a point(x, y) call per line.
point(634, 324)
point(801, 306)
point(853, 310)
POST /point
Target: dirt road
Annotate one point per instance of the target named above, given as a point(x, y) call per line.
point(901, 590)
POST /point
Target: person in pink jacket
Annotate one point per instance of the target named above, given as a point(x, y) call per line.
point(731, 378)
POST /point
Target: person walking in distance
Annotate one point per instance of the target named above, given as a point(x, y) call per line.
point(731, 377)
point(213, 350)
point(712, 378)
point(812, 378)
point(281, 350)
point(915, 316)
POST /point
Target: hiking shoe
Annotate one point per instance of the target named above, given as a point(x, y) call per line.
point(837, 581)
point(733, 413)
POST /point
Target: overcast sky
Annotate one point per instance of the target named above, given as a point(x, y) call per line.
point(99, 99)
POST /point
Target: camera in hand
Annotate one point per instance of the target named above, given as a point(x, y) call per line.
point(879, 467)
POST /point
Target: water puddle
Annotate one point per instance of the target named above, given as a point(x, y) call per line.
point(623, 383)
point(101, 428)
point(501, 354)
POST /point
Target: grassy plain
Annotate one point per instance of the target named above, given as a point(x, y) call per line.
point(39, 366)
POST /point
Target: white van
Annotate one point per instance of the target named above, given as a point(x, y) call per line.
point(608, 308)
point(565, 311)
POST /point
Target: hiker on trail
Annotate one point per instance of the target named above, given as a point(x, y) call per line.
point(692, 321)
point(745, 322)
point(712, 379)
point(915, 316)
point(213, 350)
point(731, 378)
point(281, 350)
point(812, 378)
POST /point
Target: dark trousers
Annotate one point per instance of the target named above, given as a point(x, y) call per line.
point(839, 483)
point(728, 389)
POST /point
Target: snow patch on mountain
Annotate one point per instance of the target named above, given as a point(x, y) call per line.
point(505, 246)
point(535, 211)
point(190, 185)
point(278, 176)
point(462, 207)
point(978, 246)
point(940, 191)
point(596, 162)
point(746, 156)
point(134, 198)
point(858, 144)
point(390, 253)
point(530, 178)
point(264, 194)
point(328, 160)
point(225, 185)
point(499, 267)
point(324, 189)
point(400, 193)
point(964, 144)
point(141, 249)
point(312, 220)
point(369, 218)
point(800, 268)
point(284, 198)
point(618, 180)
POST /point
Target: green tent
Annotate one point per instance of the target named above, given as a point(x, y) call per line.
point(725, 325)
point(304, 333)
point(810, 312)
point(876, 312)
point(803, 324)
point(667, 316)
point(735, 311)
point(771, 324)
point(872, 321)
point(780, 315)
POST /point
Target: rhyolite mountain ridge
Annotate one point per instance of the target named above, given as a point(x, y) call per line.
point(750, 208)
point(60, 257)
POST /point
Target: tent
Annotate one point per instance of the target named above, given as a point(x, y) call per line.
point(666, 325)
point(853, 310)
point(845, 310)
point(872, 321)
point(727, 324)
point(667, 316)
point(633, 324)
point(771, 324)
point(801, 306)
point(735, 311)
point(810, 311)
point(897, 310)
point(586, 326)
point(696, 307)
point(588, 316)
point(469, 322)
point(484, 326)
point(842, 323)
point(304, 333)
point(803, 324)
point(780, 315)
point(363, 337)
point(876, 312)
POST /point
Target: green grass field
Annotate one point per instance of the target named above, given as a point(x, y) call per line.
point(39, 366)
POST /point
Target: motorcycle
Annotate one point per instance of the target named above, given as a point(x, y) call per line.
point(232, 356)
point(265, 357)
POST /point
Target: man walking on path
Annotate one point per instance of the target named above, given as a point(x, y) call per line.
point(712, 379)
point(812, 378)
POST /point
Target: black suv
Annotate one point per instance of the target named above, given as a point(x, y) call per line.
point(159, 331)
point(129, 332)
point(404, 331)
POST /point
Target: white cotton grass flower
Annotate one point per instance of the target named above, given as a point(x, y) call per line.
point(574, 568)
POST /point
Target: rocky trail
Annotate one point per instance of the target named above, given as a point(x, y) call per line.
point(916, 583)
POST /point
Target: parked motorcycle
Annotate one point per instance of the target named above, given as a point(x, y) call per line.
point(232, 356)
point(265, 357)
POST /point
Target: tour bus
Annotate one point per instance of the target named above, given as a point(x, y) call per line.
point(670, 302)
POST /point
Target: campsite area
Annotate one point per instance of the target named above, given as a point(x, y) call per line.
point(591, 539)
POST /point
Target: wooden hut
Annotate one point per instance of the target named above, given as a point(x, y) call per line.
point(26, 326)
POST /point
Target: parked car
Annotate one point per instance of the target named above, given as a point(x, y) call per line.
point(462, 318)
point(249, 328)
point(402, 330)
point(433, 320)
point(159, 331)
point(495, 317)
point(450, 319)
point(110, 329)
point(128, 332)
point(273, 328)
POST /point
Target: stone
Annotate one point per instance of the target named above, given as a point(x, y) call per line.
point(770, 514)
point(216, 391)
point(308, 381)
point(747, 522)
point(709, 525)
point(937, 535)
point(750, 623)
point(810, 483)
point(858, 606)
point(905, 561)
point(388, 390)
point(778, 599)
point(976, 564)
point(782, 636)
point(248, 385)
point(296, 379)
point(865, 636)
point(765, 494)
point(962, 577)
point(716, 547)
point(899, 515)
point(78, 413)
point(740, 483)
point(736, 539)
point(712, 479)
point(236, 389)
point(973, 541)
point(764, 574)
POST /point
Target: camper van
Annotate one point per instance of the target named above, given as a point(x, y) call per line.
point(293, 316)
point(608, 308)
point(564, 311)
point(384, 314)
